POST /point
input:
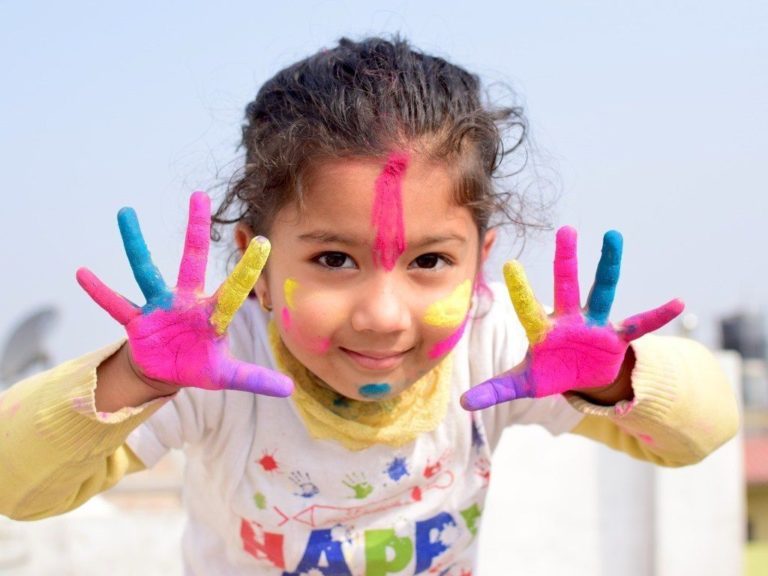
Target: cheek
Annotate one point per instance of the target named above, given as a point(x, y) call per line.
point(308, 321)
point(450, 311)
point(447, 340)
point(447, 318)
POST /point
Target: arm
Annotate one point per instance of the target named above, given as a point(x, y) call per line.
point(57, 449)
point(65, 438)
point(683, 407)
point(665, 393)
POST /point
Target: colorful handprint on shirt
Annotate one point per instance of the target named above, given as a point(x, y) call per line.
point(574, 348)
point(179, 335)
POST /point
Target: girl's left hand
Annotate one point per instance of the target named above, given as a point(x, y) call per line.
point(573, 348)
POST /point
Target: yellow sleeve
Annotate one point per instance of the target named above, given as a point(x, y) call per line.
point(56, 450)
point(683, 408)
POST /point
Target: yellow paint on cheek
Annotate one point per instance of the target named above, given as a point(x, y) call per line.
point(289, 289)
point(451, 310)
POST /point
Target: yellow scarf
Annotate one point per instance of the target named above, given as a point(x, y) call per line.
point(358, 425)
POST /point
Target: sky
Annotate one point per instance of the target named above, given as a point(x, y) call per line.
point(649, 118)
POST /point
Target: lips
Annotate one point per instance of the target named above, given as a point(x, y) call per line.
point(375, 360)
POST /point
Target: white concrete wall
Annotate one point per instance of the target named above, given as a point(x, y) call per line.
point(569, 506)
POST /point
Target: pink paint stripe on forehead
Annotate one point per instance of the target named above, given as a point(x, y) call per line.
point(387, 216)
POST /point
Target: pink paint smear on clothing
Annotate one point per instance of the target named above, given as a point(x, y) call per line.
point(387, 215)
point(444, 346)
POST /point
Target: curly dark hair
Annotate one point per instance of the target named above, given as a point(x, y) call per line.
point(369, 98)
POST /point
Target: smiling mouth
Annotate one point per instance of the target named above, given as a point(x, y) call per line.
point(375, 360)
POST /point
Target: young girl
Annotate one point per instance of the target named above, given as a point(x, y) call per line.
point(370, 169)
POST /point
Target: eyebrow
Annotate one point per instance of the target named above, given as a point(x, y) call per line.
point(329, 237)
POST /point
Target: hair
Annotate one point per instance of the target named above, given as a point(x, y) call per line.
point(370, 98)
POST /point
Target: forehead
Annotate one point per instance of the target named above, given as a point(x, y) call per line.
point(342, 191)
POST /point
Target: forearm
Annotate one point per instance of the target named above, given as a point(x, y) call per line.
point(683, 406)
point(57, 450)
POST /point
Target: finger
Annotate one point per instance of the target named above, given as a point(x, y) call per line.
point(146, 273)
point(196, 244)
point(529, 311)
point(640, 324)
point(239, 284)
point(606, 278)
point(115, 305)
point(497, 390)
point(567, 298)
point(239, 375)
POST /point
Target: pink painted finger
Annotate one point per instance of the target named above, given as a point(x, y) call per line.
point(645, 322)
point(115, 305)
point(196, 244)
point(239, 375)
point(567, 297)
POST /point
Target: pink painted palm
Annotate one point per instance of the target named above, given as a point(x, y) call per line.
point(179, 335)
point(574, 348)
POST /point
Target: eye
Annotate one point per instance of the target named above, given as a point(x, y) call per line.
point(430, 261)
point(335, 260)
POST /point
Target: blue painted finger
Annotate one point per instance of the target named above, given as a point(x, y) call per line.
point(146, 273)
point(606, 279)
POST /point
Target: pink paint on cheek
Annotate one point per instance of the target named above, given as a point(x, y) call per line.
point(387, 216)
point(286, 315)
point(314, 344)
point(444, 346)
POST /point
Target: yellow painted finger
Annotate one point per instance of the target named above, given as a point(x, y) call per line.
point(529, 311)
point(239, 284)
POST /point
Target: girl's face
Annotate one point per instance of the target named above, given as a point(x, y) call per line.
point(371, 280)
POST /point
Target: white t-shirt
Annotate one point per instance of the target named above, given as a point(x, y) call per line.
point(264, 497)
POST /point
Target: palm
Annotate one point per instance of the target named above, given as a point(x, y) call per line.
point(179, 336)
point(573, 348)
point(575, 355)
point(186, 336)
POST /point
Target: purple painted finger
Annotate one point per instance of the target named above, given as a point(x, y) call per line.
point(567, 298)
point(195, 258)
point(115, 305)
point(508, 386)
point(239, 375)
point(645, 322)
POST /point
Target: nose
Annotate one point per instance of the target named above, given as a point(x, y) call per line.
point(382, 306)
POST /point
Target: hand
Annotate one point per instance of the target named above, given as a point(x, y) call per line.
point(179, 336)
point(573, 348)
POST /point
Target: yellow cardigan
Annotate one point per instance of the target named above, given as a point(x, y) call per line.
point(57, 451)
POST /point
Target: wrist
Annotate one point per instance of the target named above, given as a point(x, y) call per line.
point(120, 383)
point(617, 391)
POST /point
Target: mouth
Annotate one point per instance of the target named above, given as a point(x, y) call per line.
point(375, 360)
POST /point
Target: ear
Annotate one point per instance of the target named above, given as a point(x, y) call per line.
point(485, 249)
point(243, 237)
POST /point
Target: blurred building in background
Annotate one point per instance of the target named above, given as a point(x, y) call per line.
point(745, 333)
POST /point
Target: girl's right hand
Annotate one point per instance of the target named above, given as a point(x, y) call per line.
point(179, 336)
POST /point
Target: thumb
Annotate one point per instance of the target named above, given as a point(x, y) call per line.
point(247, 377)
point(503, 388)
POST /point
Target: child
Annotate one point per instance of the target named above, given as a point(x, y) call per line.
point(370, 169)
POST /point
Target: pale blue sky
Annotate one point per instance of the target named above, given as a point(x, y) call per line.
point(651, 116)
